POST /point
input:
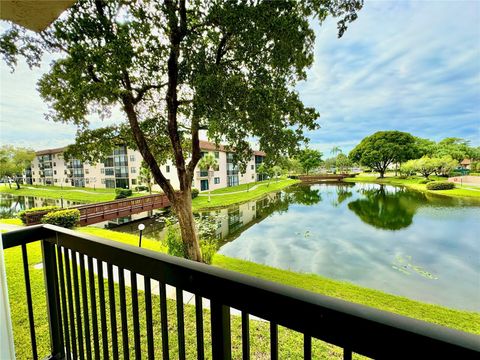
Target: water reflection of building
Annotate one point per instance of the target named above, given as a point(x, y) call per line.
point(233, 220)
point(10, 205)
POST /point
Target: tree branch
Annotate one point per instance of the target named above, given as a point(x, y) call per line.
point(141, 92)
point(221, 50)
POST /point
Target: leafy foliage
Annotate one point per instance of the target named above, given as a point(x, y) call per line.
point(23, 214)
point(383, 148)
point(309, 159)
point(440, 185)
point(66, 218)
point(195, 193)
point(123, 193)
point(13, 161)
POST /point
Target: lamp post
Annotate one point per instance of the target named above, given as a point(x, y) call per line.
point(141, 227)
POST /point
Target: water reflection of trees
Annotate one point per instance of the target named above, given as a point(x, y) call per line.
point(303, 194)
point(387, 209)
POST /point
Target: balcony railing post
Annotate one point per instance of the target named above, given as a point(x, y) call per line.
point(53, 300)
point(221, 339)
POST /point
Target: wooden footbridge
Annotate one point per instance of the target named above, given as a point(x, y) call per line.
point(104, 211)
point(325, 177)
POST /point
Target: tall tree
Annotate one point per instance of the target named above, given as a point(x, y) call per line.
point(209, 163)
point(14, 161)
point(336, 150)
point(383, 148)
point(175, 67)
point(310, 159)
point(145, 176)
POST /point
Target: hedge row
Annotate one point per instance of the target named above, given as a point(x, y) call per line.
point(23, 214)
point(123, 193)
point(440, 185)
point(66, 218)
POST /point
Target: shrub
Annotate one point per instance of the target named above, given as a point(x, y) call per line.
point(194, 193)
point(141, 188)
point(208, 248)
point(123, 193)
point(23, 214)
point(65, 218)
point(425, 181)
point(440, 185)
point(173, 240)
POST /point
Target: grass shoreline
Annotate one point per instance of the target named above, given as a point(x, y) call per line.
point(223, 197)
point(414, 183)
point(233, 196)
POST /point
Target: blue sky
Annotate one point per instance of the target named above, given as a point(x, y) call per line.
point(406, 65)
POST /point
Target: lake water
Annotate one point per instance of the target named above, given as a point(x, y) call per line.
point(11, 204)
point(400, 241)
point(396, 240)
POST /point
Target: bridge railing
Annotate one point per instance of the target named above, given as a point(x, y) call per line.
point(106, 298)
point(110, 209)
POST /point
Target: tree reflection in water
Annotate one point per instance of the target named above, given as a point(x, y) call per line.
point(389, 209)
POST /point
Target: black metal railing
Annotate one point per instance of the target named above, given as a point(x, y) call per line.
point(86, 280)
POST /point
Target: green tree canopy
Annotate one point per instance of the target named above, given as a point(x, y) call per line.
point(343, 163)
point(175, 67)
point(383, 148)
point(13, 161)
point(309, 159)
point(209, 163)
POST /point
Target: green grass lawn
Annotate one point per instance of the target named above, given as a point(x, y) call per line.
point(201, 202)
point(413, 182)
point(290, 343)
point(84, 195)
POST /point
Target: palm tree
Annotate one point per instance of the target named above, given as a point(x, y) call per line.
point(336, 150)
point(145, 176)
point(208, 162)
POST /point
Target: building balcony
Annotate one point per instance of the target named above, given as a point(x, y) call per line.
point(95, 285)
point(204, 173)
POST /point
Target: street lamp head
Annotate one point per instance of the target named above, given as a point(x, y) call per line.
point(141, 227)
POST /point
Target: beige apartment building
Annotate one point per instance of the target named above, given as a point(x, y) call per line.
point(121, 170)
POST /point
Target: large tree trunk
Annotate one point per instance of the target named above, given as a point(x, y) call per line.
point(183, 209)
point(18, 183)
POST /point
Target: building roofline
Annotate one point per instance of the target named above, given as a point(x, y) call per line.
point(51, 151)
point(204, 145)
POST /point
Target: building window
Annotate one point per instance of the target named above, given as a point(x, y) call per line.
point(33, 172)
point(133, 170)
point(217, 155)
point(87, 181)
point(251, 167)
point(33, 180)
point(134, 181)
point(54, 164)
point(132, 157)
point(56, 180)
point(216, 180)
point(54, 172)
point(168, 168)
point(87, 171)
point(102, 171)
point(253, 176)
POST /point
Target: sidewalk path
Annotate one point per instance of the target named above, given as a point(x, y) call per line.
point(205, 193)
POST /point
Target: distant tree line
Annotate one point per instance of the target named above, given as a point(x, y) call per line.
point(382, 151)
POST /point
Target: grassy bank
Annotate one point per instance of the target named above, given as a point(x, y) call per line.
point(238, 194)
point(84, 195)
point(413, 182)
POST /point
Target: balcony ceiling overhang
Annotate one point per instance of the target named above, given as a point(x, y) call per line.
point(34, 15)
